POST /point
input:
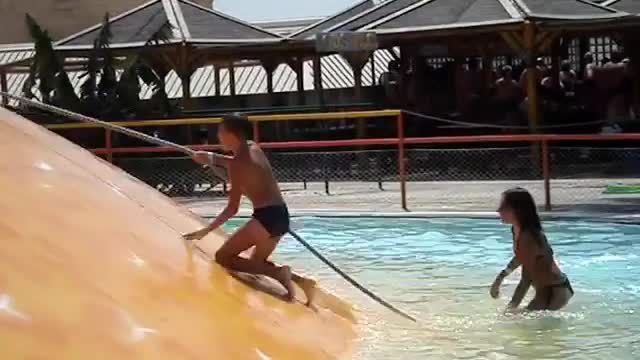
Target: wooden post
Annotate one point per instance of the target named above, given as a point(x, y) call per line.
point(405, 64)
point(532, 76)
point(461, 96)
point(487, 65)
point(269, 67)
point(185, 78)
point(583, 49)
point(187, 104)
point(184, 72)
point(298, 67)
point(356, 61)
point(361, 123)
point(216, 80)
point(4, 87)
point(317, 78)
point(232, 79)
point(555, 64)
point(374, 80)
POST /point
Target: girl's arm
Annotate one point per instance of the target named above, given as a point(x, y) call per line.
point(495, 287)
point(520, 292)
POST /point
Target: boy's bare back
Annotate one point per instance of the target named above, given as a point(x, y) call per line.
point(251, 172)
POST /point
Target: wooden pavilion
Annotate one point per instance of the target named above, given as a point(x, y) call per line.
point(452, 28)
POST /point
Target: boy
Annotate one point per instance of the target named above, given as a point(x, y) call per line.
point(250, 175)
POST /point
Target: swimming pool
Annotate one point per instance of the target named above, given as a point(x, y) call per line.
point(439, 270)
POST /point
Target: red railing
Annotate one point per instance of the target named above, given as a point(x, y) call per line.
point(400, 142)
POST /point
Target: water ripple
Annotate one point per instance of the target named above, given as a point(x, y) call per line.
point(440, 269)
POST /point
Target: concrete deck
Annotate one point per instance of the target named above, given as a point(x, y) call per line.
point(582, 198)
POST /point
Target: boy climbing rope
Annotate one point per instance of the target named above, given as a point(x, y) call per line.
point(251, 175)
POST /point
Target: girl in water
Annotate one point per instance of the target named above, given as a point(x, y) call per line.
point(531, 250)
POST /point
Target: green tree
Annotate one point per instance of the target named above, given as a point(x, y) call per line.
point(110, 86)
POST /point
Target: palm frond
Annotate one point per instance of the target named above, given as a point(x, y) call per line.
point(53, 81)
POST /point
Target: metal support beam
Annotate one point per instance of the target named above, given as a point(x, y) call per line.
point(232, 79)
point(317, 78)
point(216, 80)
point(4, 87)
point(532, 76)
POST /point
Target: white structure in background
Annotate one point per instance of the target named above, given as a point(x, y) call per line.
point(250, 77)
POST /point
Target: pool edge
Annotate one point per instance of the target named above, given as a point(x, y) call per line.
point(625, 219)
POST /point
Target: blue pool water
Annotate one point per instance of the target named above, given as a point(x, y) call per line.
point(439, 270)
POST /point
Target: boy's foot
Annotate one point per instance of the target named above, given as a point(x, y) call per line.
point(284, 277)
point(309, 288)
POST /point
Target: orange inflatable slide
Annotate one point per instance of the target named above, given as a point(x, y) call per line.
point(93, 266)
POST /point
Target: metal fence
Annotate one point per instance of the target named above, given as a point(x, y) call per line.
point(389, 169)
point(462, 178)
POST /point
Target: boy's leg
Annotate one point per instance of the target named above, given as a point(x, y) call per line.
point(253, 234)
point(306, 284)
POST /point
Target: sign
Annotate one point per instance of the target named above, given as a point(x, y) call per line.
point(346, 41)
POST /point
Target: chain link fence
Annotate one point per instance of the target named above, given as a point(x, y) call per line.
point(437, 179)
point(580, 176)
point(173, 174)
point(469, 179)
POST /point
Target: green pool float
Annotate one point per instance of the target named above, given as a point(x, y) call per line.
point(622, 189)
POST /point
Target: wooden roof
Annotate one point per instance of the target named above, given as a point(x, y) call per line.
point(190, 23)
point(408, 16)
point(329, 22)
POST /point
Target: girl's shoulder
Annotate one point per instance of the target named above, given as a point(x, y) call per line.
point(531, 237)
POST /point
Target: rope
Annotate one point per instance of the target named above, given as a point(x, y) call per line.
point(119, 129)
point(493, 126)
point(349, 278)
point(188, 151)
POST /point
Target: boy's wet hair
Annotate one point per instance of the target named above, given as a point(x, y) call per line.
point(237, 124)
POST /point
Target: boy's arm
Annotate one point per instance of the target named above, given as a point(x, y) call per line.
point(233, 204)
point(229, 211)
point(211, 159)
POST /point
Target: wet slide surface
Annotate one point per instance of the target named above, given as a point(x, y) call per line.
point(92, 265)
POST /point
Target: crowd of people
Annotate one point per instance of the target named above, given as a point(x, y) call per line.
point(599, 93)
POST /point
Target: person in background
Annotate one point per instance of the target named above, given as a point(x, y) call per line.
point(568, 77)
point(540, 71)
point(391, 82)
point(533, 252)
point(610, 79)
point(588, 67)
point(507, 95)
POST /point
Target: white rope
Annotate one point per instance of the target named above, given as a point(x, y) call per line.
point(120, 129)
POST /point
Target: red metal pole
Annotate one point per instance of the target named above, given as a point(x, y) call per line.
point(256, 132)
point(107, 141)
point(546, 174)
point(401, 164)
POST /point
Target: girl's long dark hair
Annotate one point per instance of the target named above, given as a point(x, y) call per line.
point(524, 208)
